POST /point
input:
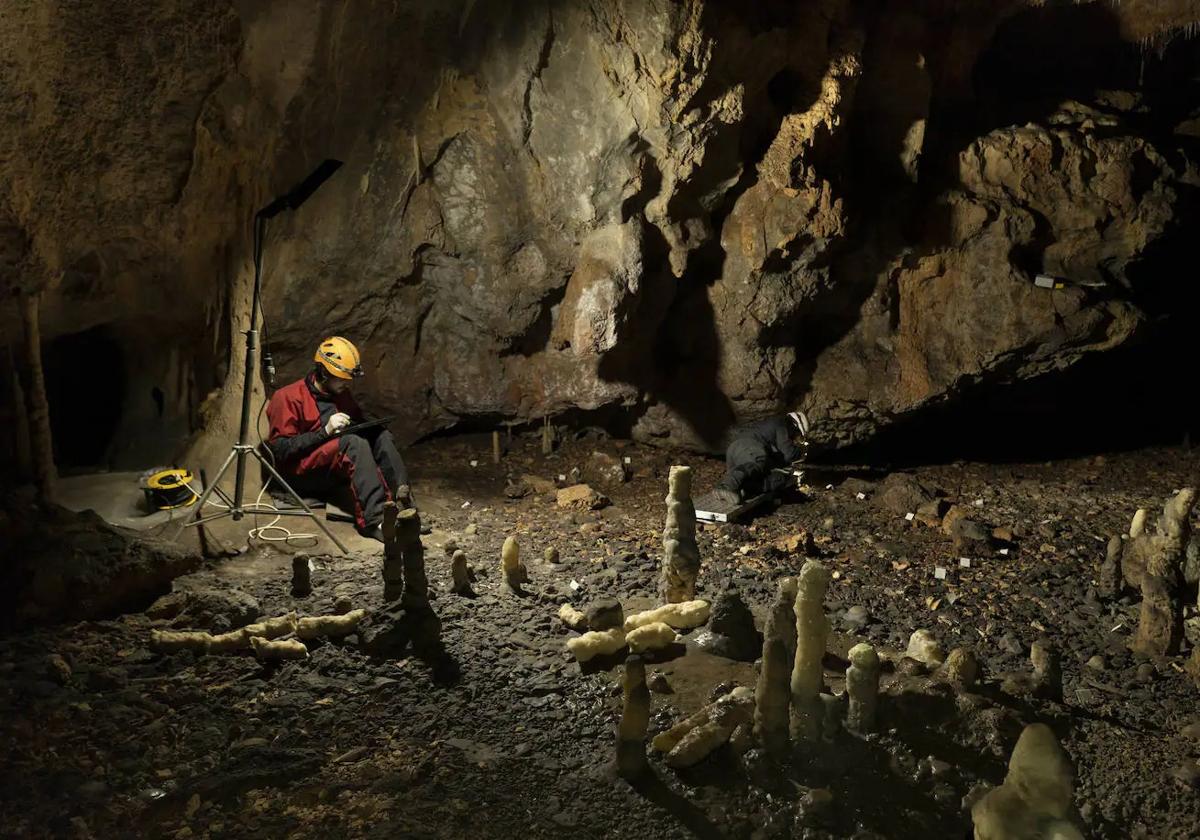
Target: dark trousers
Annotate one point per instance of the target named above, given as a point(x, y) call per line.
point(748, 470)
point(368, 465)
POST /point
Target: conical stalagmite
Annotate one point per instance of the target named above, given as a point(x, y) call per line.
point(681, 556)
point(635, 718)
point(862, 686)
point(773, 692)
point(1035, 799)
point(812, 631)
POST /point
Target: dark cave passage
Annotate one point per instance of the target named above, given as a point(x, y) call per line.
point(86, 383)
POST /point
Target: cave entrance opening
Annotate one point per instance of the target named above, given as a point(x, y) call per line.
point(86, 384)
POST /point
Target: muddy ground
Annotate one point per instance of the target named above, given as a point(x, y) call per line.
point(511, 738)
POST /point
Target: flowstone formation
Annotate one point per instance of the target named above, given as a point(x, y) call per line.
point(681, 556)
point(812, 632)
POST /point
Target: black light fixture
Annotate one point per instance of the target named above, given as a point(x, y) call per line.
point(235, 507)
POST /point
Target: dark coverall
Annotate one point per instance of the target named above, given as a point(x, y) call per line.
point(755, 450)
point(317, 464)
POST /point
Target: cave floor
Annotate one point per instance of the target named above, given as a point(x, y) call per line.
point(520, 743)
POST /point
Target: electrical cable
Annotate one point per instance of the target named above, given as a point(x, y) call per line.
point(260, 532)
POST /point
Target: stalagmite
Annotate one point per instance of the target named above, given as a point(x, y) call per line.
point(393, 557)
point(1035, 799)
point(301, 576)
point(272, 628)
point(412, 554)
point(573, 618)
point(547, 437)
point(961, 668)
point(1138, 525)
point(1160, 619)
point(596, 643)
point(515, 573)
point(334, 626)
point(741, 697)
point(694, 746)
point(862, 686)
point(681, 556)
point(172, 641)
point(1047, 673)
point(495, 447)
point(682, 616)
point(773, 692)
point(232, 642)
point(649, 637)
point(741, 740)
point(460, 575)
point(812, 631)
point(924, 648)
point(268, 651)
point(1110, 569)
point(635, 718)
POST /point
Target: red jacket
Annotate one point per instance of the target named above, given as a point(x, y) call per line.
point(298, 413)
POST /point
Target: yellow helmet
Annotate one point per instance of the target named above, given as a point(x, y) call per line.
point(339, 357)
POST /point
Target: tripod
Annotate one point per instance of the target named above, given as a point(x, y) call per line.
point(235, 507)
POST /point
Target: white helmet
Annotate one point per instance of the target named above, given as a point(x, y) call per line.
point(801, 421)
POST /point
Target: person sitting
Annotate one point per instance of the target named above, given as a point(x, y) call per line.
point(756, 450)
point(306, 442)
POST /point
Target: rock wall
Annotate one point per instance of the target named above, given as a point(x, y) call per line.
point(674, 215)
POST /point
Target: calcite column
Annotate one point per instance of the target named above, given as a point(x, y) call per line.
point(773, 691)
point(681, 556)
point(812, 632)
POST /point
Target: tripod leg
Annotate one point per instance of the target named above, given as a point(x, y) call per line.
point(208, 491)
point(275, 474)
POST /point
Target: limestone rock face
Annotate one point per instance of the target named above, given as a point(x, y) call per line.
point(661, 211)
